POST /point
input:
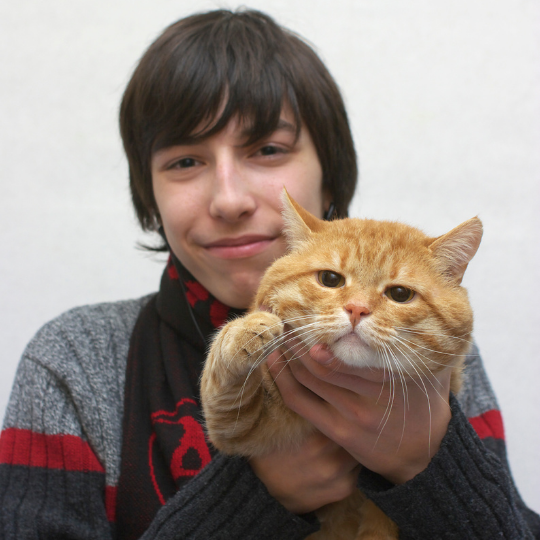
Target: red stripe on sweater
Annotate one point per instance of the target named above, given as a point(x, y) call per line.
point(67, 452)
point(489, 424)
point(110, 502)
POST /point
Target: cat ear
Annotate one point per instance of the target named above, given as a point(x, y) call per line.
point(298, 223)
point(455, 249)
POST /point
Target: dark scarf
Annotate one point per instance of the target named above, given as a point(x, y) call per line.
point(164, 444)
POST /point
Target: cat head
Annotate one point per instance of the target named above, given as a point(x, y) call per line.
point(379, 293)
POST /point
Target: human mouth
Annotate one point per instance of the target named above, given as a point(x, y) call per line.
point(240, 247)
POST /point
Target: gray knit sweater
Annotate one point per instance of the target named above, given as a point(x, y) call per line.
point(61, 442)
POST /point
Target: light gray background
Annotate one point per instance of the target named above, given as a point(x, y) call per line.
point(444, 103)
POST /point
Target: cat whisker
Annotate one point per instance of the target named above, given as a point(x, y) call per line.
point(426, 333)
point(405, 389)
point(278, 342)
point(419, 383)
point(281, 341)
point(429, 332)
point(390, 403)
point(386, 362)
point(400, 371)
point(389, 356)
point(429, 378)
point(427, 397)
point(392, 382)
point(428, 349)
point(385, 370)
point(256, 336)
point(255, 365)
point(419, 355)
point(307, 346)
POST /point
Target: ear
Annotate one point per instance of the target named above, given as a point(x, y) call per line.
point(298, 224)
point(455, 249)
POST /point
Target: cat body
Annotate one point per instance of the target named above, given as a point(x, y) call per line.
point(379, 294)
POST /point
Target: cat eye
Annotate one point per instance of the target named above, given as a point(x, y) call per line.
point(400, 294)
point(330, 279)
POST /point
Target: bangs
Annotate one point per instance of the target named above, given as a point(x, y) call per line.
point(229, 71)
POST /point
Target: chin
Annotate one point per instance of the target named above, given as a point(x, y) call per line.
point(238, 296)
point(242, 288)
point(353, 351)
point(234, 299)
point(234, 289)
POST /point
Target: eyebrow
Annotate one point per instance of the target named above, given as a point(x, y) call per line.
point(282, 125)
point(287, 126)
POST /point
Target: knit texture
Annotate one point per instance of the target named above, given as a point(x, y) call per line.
point(61, 443)
point(465, 493)
point(228, 502)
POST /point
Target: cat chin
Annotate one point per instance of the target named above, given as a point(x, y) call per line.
point(354, 351)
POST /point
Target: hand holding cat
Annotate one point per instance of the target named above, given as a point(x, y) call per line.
point(392, 429)
point(309, 476)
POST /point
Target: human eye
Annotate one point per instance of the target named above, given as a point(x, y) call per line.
point(183, 163)
point(269, 150)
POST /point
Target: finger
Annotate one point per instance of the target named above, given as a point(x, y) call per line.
point(297, 354)
point(319, 358)
point(299, 398)
point(286, 382)
point(276, 363)
point(327, 390)
point(322, 354)
point(351, 379)
point(374, 382)
point(315, 410)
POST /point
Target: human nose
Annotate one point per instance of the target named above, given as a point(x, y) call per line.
point(232, 197)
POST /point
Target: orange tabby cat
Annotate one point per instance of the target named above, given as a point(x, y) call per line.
point(379, 294)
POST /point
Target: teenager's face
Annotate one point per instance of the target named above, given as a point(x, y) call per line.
point(220, 203)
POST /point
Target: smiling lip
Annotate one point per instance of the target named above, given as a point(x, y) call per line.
point(238, 248)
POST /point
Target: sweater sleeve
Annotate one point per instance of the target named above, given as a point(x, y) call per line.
point(465, 493)
point(226, 501)
point(61, 440)
point(52, 484)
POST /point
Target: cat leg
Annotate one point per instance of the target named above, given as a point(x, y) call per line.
point(232, 389)
point(375, 524)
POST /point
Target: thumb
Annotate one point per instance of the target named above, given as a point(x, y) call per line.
point(321, 354)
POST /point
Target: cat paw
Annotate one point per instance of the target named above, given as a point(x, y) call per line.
point(249, 339)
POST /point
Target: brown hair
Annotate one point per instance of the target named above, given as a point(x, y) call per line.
point(236, 64)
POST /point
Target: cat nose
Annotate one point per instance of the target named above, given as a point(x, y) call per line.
point(356, 311)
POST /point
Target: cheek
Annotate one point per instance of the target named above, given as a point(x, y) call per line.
point(306, 190)
point(174, 222)
point(179, 208)
point(408, 316)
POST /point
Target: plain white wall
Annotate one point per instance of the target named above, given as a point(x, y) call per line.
point(444, 103)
